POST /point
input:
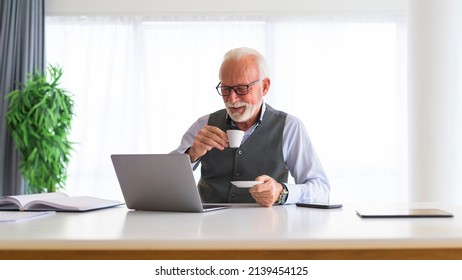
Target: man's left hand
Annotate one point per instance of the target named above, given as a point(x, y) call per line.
point(267, 193)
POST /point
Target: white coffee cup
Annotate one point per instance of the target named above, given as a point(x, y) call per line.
point(235, 138)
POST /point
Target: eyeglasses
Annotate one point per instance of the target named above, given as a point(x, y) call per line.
point(239, 89)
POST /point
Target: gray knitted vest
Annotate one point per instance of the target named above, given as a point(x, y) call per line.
point(260, 154)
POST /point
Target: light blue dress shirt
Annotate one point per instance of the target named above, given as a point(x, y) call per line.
point(311, 183)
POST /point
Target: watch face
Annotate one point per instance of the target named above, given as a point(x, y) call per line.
point(283, 197)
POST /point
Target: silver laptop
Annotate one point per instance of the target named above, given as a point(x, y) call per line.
point(159, 182)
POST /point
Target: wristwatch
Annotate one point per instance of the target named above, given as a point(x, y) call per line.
point(283, 195)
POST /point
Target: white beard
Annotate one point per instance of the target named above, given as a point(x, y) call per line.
point(248, 112)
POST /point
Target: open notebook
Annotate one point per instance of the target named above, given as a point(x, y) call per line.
point(55, 201)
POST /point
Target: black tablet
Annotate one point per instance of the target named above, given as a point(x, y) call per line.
point(403, 213)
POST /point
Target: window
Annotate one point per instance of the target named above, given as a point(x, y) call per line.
point(139, 83)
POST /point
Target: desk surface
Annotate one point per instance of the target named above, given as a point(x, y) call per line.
point(245, 232)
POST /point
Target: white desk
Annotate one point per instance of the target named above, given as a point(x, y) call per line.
point(281, 232)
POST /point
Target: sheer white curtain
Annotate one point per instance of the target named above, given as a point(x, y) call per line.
point(139, 83)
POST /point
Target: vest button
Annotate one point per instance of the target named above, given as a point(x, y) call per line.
point(240, 152)
point(238, 174)
point(233, 195)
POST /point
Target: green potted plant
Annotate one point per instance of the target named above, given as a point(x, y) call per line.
point(39, 120)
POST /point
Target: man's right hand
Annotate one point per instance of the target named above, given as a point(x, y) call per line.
point(209, 137)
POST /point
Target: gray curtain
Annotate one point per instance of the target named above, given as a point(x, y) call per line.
point(22, 38)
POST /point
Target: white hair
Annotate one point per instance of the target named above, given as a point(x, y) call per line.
point(238, 53)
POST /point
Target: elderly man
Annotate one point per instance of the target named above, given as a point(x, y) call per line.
point(274, 144)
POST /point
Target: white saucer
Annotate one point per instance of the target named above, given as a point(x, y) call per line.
point(246, 184)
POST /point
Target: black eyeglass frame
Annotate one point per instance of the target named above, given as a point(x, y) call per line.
point(220, 88)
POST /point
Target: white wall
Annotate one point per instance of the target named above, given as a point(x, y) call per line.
point(435, 100)
point(144, 7)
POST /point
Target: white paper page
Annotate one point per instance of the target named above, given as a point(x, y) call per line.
point(78, 203)
point(15, 216)
point(24, 199)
